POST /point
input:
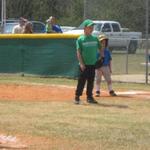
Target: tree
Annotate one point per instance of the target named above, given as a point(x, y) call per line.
point(129, 13)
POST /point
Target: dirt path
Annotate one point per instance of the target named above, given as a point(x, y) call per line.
point(46, 93)
point(52, 93)
point(35, 92)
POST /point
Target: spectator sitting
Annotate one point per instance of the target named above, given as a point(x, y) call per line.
point(51, 26)
point(28, 28)
point(20, 27)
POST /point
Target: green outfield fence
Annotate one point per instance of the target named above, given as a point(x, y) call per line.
point(39, 54)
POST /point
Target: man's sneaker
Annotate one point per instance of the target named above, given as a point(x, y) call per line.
point(97, 94)
point(112, 93)
point(77, 100)
point(91, 100)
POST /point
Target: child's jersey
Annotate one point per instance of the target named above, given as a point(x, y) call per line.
point(88, 46)
point(107, 57)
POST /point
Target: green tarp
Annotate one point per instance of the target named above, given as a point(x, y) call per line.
point(45, 57)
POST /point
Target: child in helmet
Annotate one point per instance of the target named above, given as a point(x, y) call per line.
point(105, 70)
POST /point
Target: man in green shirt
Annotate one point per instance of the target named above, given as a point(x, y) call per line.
point(87, 47)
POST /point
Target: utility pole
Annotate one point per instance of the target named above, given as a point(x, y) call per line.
point(3, 15)
point(85, 15)
point(147, 35)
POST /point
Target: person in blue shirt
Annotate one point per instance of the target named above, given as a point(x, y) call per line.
point(106, 68)
point(51, 26)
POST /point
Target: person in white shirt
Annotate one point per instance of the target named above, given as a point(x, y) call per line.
point(20, 27)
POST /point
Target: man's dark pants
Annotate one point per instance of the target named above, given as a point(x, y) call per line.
point(87, 75)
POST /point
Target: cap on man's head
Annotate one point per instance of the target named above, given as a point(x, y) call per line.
point(50, 18)
point(87, 23)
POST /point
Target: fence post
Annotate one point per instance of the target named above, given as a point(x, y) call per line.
point(127, 56)
point(147, 32)
point(3, 15)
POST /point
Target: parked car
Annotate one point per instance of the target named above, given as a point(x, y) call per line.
point(67, 28)
point(38, 27)
point(118, 39)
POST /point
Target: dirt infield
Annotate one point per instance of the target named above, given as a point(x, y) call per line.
point(53, 93)
point(35, 92)
point(39, 92)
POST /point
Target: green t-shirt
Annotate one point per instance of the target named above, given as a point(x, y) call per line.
point(48, 28)
point(88, 47)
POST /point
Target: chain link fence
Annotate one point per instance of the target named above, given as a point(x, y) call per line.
point(137, 63)
point(124, 62)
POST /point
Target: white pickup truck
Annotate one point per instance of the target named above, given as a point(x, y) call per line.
point(118, 39)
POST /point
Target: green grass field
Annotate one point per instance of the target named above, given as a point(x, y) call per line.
point(131, 63)
point(114, 124)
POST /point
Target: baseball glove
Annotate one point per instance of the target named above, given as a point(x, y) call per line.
point(99, 63)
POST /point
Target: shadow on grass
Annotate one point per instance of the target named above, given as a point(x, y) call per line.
point(107, 105)
point(112, 105)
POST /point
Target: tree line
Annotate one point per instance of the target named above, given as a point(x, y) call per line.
point(130, 13)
